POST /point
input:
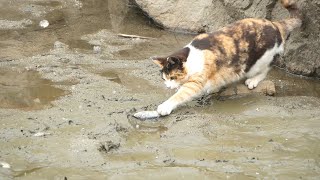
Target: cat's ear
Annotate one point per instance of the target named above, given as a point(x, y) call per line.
point(174, 61)
point(160, 61)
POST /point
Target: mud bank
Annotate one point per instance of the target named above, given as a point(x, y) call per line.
point(80, 126)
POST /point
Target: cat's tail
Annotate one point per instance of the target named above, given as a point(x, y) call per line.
point(295, 19)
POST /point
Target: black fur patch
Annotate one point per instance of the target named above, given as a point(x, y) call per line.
point(202, 43)
point(175, 60)
point(269, 37)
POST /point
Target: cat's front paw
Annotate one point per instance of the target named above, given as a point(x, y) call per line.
point(252, 83)
point(165, 108)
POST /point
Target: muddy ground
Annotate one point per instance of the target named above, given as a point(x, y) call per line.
point(67, 93)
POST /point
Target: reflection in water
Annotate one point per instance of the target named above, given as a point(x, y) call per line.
point(26, 90)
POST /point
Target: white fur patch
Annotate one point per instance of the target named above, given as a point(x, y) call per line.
point(171, 84)
point(263, 63)
point(195, 60)
point(254, 81)
point(166, 108)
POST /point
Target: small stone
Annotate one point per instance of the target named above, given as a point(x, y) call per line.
point(39, 134)
point(96, 49)
point(44, 23)
point(37, 100)
point(5, 165)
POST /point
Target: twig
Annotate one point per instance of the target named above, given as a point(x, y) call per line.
point(134, 36)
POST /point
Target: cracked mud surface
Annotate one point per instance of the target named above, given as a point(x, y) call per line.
point(68, 93)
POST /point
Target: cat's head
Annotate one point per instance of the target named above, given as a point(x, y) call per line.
point(173, 70)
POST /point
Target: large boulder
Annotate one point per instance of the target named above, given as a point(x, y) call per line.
point(196, 16)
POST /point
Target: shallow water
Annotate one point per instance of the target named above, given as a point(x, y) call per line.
point(294, 85)
point(240, 137)
point(23, 89)
point(70, 23)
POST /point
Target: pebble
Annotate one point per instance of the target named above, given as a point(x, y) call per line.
point(5, 165)
point(39, 134)
point(44, 23)
point(96, 49)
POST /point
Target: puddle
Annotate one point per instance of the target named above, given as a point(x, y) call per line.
point(293, 85)
point(112, 75)
point(80, 44)
point(58, 173)
point(132, 83)
point(69, 22)
point(22, 89)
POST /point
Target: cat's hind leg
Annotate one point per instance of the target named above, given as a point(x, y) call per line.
point(253, 82)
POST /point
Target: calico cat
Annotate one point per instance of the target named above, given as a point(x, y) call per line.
point(241, 50)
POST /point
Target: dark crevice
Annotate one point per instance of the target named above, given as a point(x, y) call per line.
point(270, 8)
point(249, 5)
point(134, 4)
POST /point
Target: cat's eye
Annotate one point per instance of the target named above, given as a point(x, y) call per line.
point(173, 77)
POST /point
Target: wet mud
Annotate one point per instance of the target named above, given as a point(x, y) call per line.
point(68, 93)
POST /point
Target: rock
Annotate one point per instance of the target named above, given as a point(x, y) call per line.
point(191, 16)
point(265, 87)
point(302, 52)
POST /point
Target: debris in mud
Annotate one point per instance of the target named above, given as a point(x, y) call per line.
point(108, 146)
point(97, 49)
point(5, 165)
point(119, 99)
point(115, 112)
point(221, 161)
point(119, 128)
point(134, 36)
point(169, 161)
point(44, 23)
point(39, 134)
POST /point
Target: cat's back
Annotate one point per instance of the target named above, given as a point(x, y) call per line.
point(250, 31)
point(239, 44)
